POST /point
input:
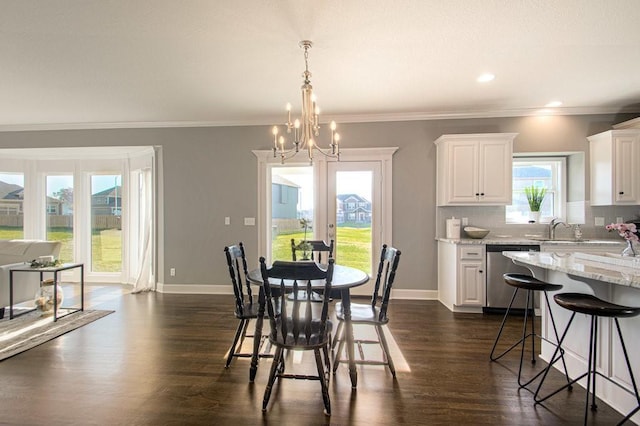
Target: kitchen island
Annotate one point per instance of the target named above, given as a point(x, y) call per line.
point(609, 277)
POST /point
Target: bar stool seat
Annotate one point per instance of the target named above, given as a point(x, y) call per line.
point(596, 308)
point(530, 284)
point(591, 305)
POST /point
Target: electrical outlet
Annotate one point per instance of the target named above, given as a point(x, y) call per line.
point(172, 272)
point(619, 219)
point(227, 220)
point(465, 221)
point(599, 221)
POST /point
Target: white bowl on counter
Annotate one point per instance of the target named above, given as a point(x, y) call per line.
point(476, 233)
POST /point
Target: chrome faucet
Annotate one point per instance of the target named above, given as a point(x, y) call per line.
point(552, 227)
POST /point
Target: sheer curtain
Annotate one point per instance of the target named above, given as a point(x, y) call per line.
point(141, 226)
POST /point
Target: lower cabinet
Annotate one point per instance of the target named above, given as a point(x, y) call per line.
point(461, 276)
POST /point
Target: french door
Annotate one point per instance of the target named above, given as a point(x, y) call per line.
point(348, 201)
point(354, 193)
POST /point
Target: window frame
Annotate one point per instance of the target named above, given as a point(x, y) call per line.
point(559, 189)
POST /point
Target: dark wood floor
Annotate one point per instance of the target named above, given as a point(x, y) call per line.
point(158, 360)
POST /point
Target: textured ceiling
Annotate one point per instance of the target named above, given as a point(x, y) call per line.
point(110, 63)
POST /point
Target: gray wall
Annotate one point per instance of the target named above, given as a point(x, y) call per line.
point(210, 173)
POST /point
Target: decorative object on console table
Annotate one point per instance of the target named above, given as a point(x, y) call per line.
point(45, 297)
point(629, 232)
point(535, 197)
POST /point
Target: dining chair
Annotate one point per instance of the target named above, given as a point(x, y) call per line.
point(245, 308)
point(373, 313)
point(298, 327)
point(319, 251)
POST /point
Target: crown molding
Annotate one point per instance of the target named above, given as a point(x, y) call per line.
point(345, 118)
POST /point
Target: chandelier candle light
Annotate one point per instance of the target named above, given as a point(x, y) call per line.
point(307, 127)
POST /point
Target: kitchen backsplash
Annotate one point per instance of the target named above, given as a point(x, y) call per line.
point(493, 218)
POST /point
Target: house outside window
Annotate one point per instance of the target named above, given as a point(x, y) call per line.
point(547, 172)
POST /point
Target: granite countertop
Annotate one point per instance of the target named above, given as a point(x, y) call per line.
point(614, 243)
point(610, 268)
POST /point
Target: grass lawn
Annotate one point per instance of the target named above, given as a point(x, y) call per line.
point(106, 246)
point(353, 249)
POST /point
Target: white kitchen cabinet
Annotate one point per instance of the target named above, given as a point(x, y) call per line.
point(474, 169)
point(461, 276)
point(614, 158)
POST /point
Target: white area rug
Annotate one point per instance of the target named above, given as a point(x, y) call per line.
point(30, 330)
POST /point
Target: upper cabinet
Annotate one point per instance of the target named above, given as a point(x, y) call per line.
point(474, 169)
point(614, 156)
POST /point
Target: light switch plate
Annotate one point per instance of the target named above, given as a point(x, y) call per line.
point(599, 221)
point(619, 219)
point(227, 220)
point(249, 221)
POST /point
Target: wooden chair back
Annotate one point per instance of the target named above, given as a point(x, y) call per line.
point(321, 252)
point(389, 259)
point(296, 326)
point(237, 264)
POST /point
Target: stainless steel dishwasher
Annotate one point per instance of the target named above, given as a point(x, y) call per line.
point(498, 292)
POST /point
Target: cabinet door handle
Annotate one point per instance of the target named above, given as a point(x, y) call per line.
point(480, 271)
point(482, 194)
point(621, 193)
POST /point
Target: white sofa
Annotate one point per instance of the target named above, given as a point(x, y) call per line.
point(14, 253)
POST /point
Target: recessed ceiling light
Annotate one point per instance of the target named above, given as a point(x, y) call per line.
point(485, 78)
point(553, 104)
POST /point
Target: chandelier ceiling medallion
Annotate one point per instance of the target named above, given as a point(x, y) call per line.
point(306, 128)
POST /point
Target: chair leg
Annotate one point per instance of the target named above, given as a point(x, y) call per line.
point(385, 348)
point(327, 360)
point(337, 357)
point(323, 382)
point(239, 331)
point(338, 337)
point(277, 360)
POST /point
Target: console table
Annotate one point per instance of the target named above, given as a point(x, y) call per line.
point(56, 271)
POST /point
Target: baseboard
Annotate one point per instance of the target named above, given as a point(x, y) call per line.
point(194, 288)
point(399, 293)
point(226, 289)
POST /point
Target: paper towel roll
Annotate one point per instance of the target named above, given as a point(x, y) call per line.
point(453, 228)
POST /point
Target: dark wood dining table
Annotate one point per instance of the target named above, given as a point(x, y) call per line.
point(344, 278)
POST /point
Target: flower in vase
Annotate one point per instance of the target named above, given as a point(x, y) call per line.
point(628, 231)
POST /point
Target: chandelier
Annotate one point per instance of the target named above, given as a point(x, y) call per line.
point(306, 128)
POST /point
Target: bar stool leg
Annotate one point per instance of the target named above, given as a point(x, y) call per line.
point(550, 365)
point(529, 311)
point(555, 332)
point(504, 320)
point(633, 380)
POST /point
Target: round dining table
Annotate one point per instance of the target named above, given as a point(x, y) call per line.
point(344, 278)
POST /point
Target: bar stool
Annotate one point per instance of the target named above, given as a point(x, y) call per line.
point(531, 285)
point(596, 308)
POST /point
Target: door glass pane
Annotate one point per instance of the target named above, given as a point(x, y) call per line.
point(353, 219)
point(59, 207)
point(106, 228)
point(291, 201)
point(11, 206)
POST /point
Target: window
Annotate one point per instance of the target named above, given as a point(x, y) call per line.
point(11, 200)
point(59, 205)
point(548, 172)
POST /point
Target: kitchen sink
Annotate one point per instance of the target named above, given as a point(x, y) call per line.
point(559, 240)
